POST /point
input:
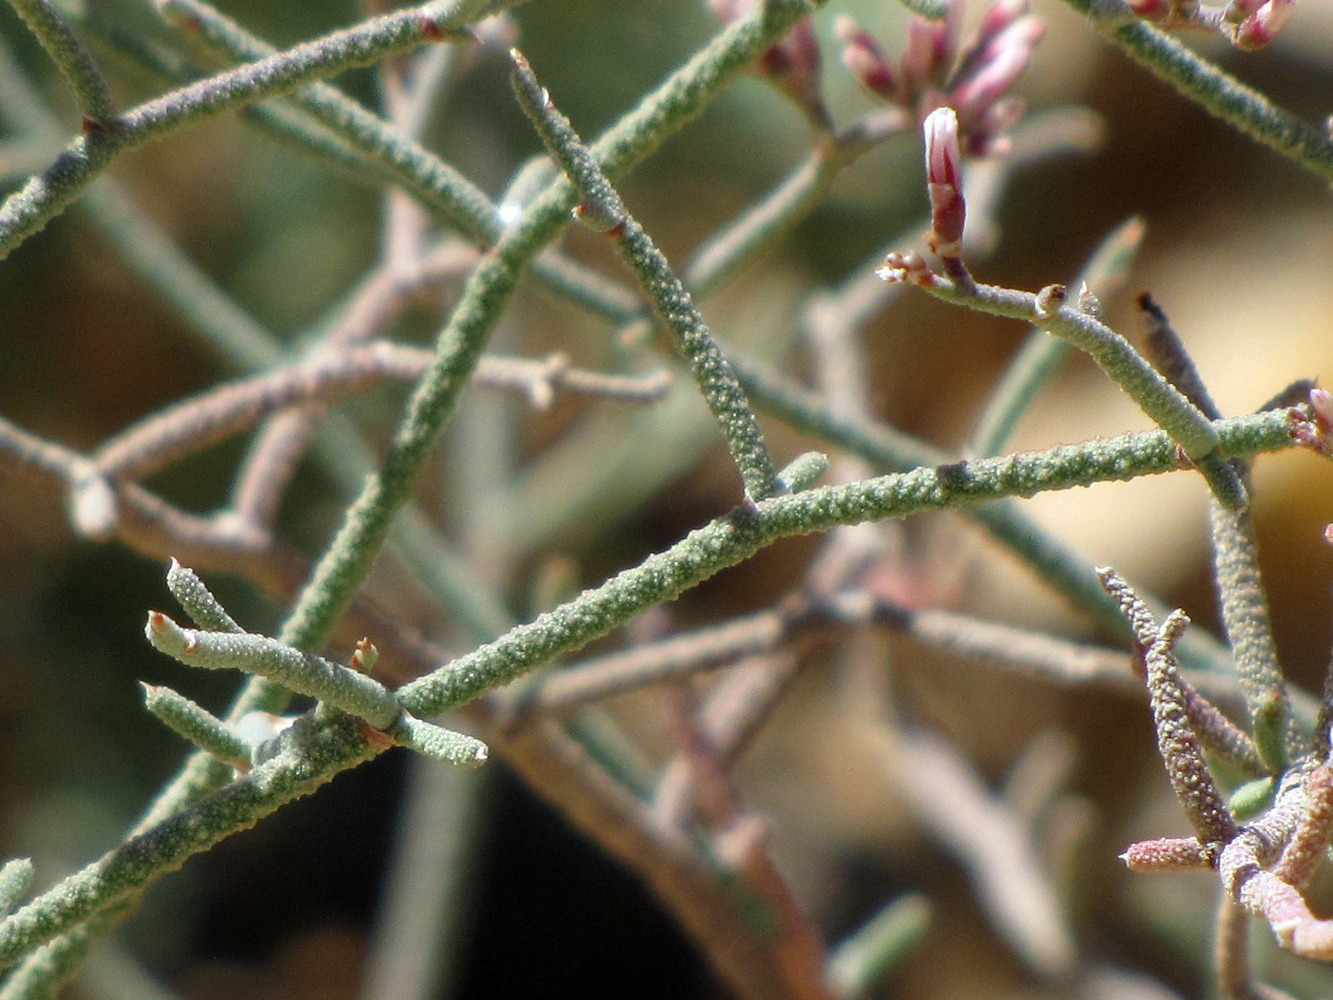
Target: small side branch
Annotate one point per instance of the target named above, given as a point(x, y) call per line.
point(72, 59)
point(601, 209)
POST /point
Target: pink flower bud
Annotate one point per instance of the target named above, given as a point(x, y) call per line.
point(926, 51)
point(864, 58)
point(983, 137)
point(793, 65)
point(1261, 27)
point(1000, 15)
point(1152, 10)
point(1321, 404)
point(944, 182)
point(1022, 34)
point(973, 96)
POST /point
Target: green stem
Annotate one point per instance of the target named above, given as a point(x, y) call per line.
point(71, 58)
point(484, 297)
point(312, 755)
point(28, 210)
point(603, 210)
point(1041, 354)
point(196, 724)
point(1127, 368)
point(1218, 93)
point(737, 536)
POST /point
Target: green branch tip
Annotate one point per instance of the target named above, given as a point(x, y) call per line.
point(439, 743)
point(862, 962)
point(803, 471)
point(198, 601)
point(304, 673)
point(46, 195)
point(197, 725)
point(15, 881)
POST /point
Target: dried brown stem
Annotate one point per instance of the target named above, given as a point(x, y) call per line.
point(198, 423)
point(949, 799)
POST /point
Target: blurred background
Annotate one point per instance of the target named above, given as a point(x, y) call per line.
point(1237, 250)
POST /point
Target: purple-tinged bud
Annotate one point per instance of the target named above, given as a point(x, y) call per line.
point(727, 11)
point(1022, 34)
point(1239, 10)
point(1151, 10)
point(997, 118)
point(903, 267)
point(864, 58)
point(1321, 405)
point(925, 52)
point(1261, 27)
point(1328, 533)
point(1167, 854)
point(1000, 15)
point(1004, 25)
point(973, 96)
point(1050, 299)
point(944, 182)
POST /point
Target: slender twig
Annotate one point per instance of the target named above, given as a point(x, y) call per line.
point(886, 447)
point(198, 423)
point(395, 156)
point(15, 881)
point(761, 225)
point(737, 536)
point(602, 209)
point(1231, 951)
point(196, 724)
point(1176, 741)
point(862, 962)
point(1240, 588)
point(72, 59)
point(349, 556)
point(999, 646)
point(1219, 93)
point(1041, 354)
point(1113, 354)
point(46, 195)
point(948, 797)
point(438, 185)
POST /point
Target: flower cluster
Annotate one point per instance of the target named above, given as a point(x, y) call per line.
point(935, 71)
point(1316, 430)
point(791, 64)
point(1249, 24)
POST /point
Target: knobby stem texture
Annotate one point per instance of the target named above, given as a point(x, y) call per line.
point(485, 295)
point(348, 558)
point(312, 755)
point(72, 59)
